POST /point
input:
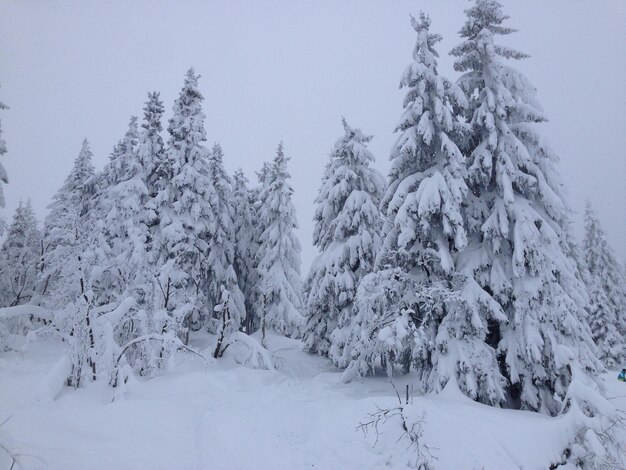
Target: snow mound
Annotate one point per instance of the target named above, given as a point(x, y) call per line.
point(298, 415)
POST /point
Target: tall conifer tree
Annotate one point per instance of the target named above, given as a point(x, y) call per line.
point(278, 256)
point(184, 209)
point(517, 224)
point(65, 233)
point(220, 265)
point(347, 234)
point(19, 258)
point(245, 244)
point(607, 293)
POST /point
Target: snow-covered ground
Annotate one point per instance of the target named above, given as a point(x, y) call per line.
point(220, 415)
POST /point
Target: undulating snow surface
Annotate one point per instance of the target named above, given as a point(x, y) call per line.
point(220, 415)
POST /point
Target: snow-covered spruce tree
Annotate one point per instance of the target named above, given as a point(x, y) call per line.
point(347, 235)
point(606, 291)
point(184, 212)
point(150, 152)
point(427, 315)
point(422, 205)
point(278, 256)
point(19, 258)
point(123, 274)
point(62, 284)
point(105, 279)
point(65, 232)
point(4, 178)
point(245, 243)
point(254, 315)
point(220, 265)
point(150, 146)
point(518, 247)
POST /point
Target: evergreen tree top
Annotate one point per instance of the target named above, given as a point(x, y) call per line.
point(484, 20)
point(130, 138)
point(280, 154)
point(121, 160)
point(24, 219)
point(424, 51)
point(598, 254)
point(190, 88)
point(240, 178)
point(279, 166)
point(83, 168)
point(351, 133)
point(186, 126)
point(217, 154)
point(263, 173)
point(152, 113)
point(219, 177)
point(485, 14)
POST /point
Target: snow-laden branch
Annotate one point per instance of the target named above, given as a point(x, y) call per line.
point(41, 313)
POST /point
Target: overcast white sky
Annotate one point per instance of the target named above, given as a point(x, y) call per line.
point(288, 70)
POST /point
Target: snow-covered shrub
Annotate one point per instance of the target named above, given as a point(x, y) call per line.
point(384, 330)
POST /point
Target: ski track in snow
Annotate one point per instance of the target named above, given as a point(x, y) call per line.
point(224, 416)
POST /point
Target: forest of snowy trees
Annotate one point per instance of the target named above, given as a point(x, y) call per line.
point(460, 265)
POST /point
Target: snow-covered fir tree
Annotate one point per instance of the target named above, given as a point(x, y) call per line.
point(245, 244)
point(607, 293)
point(278, 256)
point(517, 226)
point(220, 264)
point(422, 205)
point(66, 260)
point(65, 233)
point(257, 196)
point(123, 273)
point(19, 258)
point(347, 235)
point(106, 280)
point(150, 146)
point(425, 314)
point(183, 204)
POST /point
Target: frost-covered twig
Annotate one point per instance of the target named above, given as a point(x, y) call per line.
point(410, 430)
point(378, 417)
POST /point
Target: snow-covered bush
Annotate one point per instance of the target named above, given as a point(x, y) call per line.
point(384, 330)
